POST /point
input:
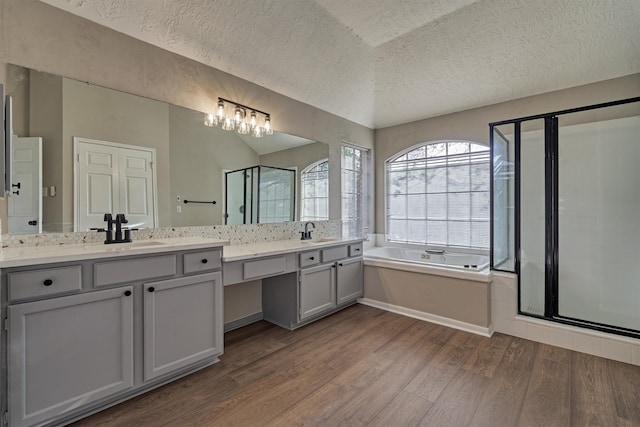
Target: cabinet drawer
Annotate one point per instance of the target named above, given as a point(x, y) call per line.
point(202, 261)
point(263, 267)
point(355, 249)
point(50, 281)
point(309, 258)
point(332, 254)
point(131, 270)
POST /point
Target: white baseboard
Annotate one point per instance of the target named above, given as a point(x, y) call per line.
point(427, 317)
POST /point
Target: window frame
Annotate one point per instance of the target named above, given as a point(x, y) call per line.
point(366, 194)
point(467, 249)
point(302, 198)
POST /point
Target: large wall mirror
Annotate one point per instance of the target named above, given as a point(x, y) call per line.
point(77, 141)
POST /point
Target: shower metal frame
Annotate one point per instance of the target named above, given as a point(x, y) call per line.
point(244, 214)
point(551, 309)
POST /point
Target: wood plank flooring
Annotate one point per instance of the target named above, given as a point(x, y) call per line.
point(367, 367)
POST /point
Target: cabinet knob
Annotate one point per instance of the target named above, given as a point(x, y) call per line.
point(357, 249)
point(151, 289)
point(48, 282)
point(204, 260)
point(312, 258)
point(127, 293)
point(340, 264)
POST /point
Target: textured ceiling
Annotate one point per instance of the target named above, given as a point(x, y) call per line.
point(379, 21)
point(386, 62)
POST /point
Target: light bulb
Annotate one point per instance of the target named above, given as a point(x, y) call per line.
point(267, 126)
point(238, 116)
point(243, 128)
point(220, 110)
point(254, 120)
point(210, 120)
point(228, 124)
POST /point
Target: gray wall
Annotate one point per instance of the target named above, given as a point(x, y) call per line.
point(473, 125)
point(199, 154)
point(38, 36)
point(133, 121)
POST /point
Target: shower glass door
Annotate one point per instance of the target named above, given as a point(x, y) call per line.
point(235, 193)
point(599, 217)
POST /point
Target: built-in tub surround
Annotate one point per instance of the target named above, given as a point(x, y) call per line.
point(446, 259)
point(448, 296)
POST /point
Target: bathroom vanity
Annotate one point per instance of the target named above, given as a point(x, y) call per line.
point(302, 281)
point(88, 326)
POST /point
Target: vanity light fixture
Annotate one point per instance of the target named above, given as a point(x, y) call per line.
point(256, 123)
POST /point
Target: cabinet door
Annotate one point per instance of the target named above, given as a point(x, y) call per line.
point(349, 280)
point(182, 322)
point(317, 290)
point(67, 352)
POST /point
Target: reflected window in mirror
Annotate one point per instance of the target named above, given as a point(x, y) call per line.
point(355, 192)
point(314, 199)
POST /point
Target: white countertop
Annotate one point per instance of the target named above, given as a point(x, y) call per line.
point(252, 250)
point(32, 255)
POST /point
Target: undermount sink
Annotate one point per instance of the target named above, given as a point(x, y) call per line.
point(321, 240)
point(142, 243)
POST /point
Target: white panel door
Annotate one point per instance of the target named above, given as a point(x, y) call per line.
point(25, 200)
point(97, 184)
point(113, 178)
point(136, 187)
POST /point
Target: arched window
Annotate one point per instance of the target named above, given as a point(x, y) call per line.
point(314, 200)
point(438, 194)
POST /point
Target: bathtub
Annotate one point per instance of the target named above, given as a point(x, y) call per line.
point(452, 289)
point(448, 260)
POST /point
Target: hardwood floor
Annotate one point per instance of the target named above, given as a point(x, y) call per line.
point(364, 366)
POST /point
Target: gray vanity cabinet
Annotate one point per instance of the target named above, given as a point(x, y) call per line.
point(180, 325)
point(349, 280)
point(328, 279)
point(85, 334)
point(67, 352)
point(317, 290)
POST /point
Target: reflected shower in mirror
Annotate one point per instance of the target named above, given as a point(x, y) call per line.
point(260, 194)
point(185, 159)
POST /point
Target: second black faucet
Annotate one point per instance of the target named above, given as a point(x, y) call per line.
point(109, 231)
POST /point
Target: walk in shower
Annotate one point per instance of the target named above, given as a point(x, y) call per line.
point(260, 194)
point(566, 214)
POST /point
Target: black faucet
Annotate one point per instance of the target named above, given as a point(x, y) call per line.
point(109, 230)
point(120, 219)
point(306, 234)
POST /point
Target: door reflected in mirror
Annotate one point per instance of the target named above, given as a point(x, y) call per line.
point(190, 158)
